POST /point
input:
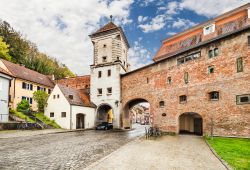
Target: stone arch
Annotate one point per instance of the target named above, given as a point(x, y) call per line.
point(126, 117)
point(104, 113)
point(190, 123)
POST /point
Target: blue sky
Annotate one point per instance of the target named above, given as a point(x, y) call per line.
point(60, 28)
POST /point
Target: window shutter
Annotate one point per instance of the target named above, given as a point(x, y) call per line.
point(239, 65)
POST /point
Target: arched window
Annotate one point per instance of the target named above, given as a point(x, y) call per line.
point(214, 95)
point(216, 52)
point(161, 103)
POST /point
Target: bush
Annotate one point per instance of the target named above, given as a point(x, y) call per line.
point(23, 106)
point(41, 98)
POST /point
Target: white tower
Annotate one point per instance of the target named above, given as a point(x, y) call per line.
point(110, 61)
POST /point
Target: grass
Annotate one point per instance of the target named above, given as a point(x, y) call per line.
point(46, 120)
point(22, 116)
point(235, 151)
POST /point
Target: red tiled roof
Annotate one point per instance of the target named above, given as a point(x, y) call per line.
point(21, 72)
point(80, 97)
point(107, 27)
point(78, 82)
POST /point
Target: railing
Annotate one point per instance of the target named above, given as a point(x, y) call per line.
point(4, 117)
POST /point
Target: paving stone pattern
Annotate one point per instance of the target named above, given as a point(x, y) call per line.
point(73, 150)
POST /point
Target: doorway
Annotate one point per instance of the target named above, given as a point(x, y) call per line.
point(80, 121)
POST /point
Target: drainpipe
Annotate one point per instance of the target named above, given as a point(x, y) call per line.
point(70, 117)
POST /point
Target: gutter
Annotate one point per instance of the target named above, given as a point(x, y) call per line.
point(70, 117)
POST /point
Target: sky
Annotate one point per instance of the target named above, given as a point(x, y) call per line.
point(61, 28)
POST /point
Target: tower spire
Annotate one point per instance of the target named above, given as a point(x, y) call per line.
point(111, 18)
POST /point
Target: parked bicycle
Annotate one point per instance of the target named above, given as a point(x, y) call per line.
point(152, 132)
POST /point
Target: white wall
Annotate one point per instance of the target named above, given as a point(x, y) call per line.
point(89, 116)
point(57, 106)
point(4, 98)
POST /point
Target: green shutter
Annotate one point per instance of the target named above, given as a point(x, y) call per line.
point(239, 65)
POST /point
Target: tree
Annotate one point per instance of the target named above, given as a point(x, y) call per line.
point(4, 50)
point(23, 106)
point(41, 98)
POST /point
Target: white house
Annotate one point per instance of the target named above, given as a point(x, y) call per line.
point(70, 108)
point(5, 78)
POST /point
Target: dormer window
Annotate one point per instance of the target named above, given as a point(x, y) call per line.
point(209, 29)
point(71, 97)
point(104, 59)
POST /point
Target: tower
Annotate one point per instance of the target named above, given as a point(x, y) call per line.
point(110, 48)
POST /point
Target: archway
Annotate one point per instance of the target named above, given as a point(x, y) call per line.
point(136, 112)
point(104, 114)
point(80, 121)
point(190, 123)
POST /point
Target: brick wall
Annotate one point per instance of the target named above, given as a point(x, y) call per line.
point(79, 82)
point(229, 118)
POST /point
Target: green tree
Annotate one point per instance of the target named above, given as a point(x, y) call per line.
point(41, 98)
point(23, 106)
point(4, 50)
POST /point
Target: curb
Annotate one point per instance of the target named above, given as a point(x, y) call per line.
point(224, 163)
point(91, 166)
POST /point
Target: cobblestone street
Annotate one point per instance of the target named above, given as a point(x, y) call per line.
point(72, 150)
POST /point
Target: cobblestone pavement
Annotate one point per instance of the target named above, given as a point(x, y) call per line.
point(72, 150)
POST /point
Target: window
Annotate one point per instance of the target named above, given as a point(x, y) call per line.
point(183, 99)
point(54, 96)
point(51, 114)
point(208, 29)
point(49, 91)
point(169, 80)
point(188, 58)
point(71, 97)
point(27, 86)
point(58, 96)
point(109, 73)
point(99, 91)
point(99, 74)
point(29, 99)
point(213, 53)
point(214, 95)
point(210, 69)
point(161, 103)
point(216, 52)
point(186, 79)
point(239, 65)
point(243, 99)
point(109, 90)
point(118, 58)
point(104, 45)
point(210, 53)
point(104, 59)
point(147, 80)
point(63, 114)
point(248, 40)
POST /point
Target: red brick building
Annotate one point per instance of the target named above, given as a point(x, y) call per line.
point(200, 79)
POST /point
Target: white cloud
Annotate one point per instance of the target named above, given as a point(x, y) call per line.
point(211, 8)
point(142, 19)
point(182, 23)
point(171, 33)
point(155, 24)
point(144, 3)
point(60, 28)
point(138, 55)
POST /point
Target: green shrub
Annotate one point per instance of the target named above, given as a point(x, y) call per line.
point(23, 106)
point(41, 98)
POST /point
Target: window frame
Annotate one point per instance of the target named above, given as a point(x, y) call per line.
point(162, 104)
point(52, 114)
point(181, 97)
point(211, 94)
point(242, 95)
point(63, 114)
point(99, 91)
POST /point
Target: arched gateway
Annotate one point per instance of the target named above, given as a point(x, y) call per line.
point(135, 111)
point(104, 114)
point(190, 123)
